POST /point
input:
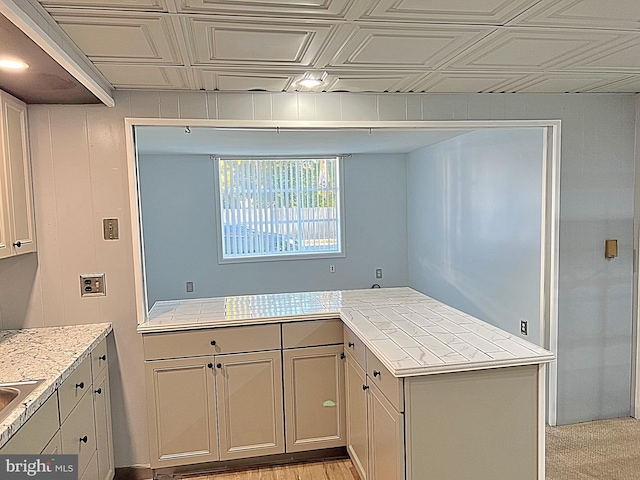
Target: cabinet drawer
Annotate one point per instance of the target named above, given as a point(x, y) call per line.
point(34, 435)
point(78, 433)
point(211, 341)
point(389, 385)
point(99, 359)
point(74, 387)
point(311, 333)
point(355, 347)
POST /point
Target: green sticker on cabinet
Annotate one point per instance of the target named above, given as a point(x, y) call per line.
point(329, 403)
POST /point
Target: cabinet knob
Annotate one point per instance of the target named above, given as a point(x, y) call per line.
point(84, 439)
point(376, 373)
point(365, 387)
point(80, 385)
point(99, 391)
point(102, 357)
point(213, 343)
point(17, 244)
point(209, 365)
point(342, 356)
point(219, 365)
point(351, 344)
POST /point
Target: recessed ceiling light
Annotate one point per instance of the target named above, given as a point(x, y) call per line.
point(312, 79)
point(13, 64)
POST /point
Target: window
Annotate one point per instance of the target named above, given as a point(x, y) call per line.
point(278, 207)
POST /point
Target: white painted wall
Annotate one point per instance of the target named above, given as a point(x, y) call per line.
point(179, 217)
point(474, 217)
point(79, 166)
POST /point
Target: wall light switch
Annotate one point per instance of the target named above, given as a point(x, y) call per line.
point(610, 248)
point(93, 285)
point(110, 228)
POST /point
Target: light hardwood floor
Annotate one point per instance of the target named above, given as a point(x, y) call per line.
point(327, 470)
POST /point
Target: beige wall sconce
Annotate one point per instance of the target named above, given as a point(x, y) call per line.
point(610, 248)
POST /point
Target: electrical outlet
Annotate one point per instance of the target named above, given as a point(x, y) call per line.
point(332, 269)
point(378, 273)
point(524, 327)
point(92, 285)
point(189, 287)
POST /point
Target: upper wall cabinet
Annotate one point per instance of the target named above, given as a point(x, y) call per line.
point(17, 230)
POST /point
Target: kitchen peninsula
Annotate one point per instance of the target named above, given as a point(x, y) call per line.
point(424, 390)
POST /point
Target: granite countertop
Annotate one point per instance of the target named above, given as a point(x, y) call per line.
point(410, 333)
point(50, 354)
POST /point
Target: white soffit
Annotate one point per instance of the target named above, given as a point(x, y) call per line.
point(462, 46)
point(159, 140)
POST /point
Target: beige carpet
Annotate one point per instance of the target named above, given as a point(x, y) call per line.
point(603, 450)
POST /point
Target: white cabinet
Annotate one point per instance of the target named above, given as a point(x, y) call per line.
point(188, 373)
point(375, 422)
point(17, 225)
point(75, 420)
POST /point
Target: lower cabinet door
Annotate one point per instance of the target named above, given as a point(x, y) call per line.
point(181, 408)
point(386, 438)
point(356, 400)
point(54, 447)
point(78, 433)
point(250, 406)
point(314, 392)
point(104, 439)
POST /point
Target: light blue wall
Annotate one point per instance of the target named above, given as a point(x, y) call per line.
point(179, 222)
point(474, 218)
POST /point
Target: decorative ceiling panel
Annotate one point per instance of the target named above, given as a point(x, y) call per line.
point(617, 14)
point(622, 58)
point(136, 39)
point(386, 46)
point(367, 82)
point(465, 82)
point(532, 49)
point(462, 46)
point(253, 43)
point(489, 12)
point(147, 77)
point(282, 8)
point(628, 85)
point(247, 81)
point(141, 5)
point(560, 82)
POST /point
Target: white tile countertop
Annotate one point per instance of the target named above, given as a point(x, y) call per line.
point(50, 354)
point(410, 333)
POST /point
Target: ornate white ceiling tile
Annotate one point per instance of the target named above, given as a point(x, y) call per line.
point(387, 46)
point(628, 85)
point(622, 58)
point(533, 49)
point(146, 77)
point(465, 82)
point(253, 43)
point(560, 82)
point(139, 5)
point(369, 81)
point(473, 12)
point(280, 8)
point(129, 38)
point(616, 14)
point(229, 80)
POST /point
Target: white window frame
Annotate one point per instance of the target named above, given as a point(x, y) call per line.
point(283, 257)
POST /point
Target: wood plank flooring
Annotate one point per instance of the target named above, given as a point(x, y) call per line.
point(327, 470)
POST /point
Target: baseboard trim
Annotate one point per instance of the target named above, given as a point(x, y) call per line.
point(133, 473)
point(247, 463)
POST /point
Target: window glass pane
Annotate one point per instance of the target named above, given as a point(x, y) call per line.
point(272, 207)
